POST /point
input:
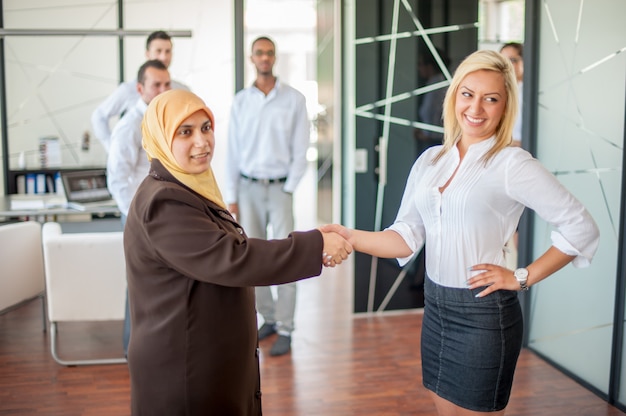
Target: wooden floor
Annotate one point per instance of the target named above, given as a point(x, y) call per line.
point(340, 365)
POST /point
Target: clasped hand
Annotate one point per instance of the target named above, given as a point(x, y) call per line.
point(336, 249)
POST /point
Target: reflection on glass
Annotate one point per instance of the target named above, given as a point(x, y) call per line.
point(51, 91)
point(580, 138)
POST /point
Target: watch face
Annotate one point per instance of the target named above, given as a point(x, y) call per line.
point(521, 274)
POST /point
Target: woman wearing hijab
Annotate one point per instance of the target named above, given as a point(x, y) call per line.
point(191, 271)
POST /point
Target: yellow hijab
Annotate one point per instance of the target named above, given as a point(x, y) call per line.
point(164, 115)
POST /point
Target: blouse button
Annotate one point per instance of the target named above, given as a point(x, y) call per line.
point(240, 230)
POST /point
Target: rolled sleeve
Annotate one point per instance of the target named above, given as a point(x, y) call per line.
point(409, 237)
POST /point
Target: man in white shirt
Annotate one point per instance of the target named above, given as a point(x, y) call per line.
point(127, 163)
point(158, 46)
point(268, 138)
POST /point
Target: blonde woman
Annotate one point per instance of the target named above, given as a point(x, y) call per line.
point(464, 199)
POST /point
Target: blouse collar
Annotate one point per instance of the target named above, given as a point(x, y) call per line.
point(477, 150)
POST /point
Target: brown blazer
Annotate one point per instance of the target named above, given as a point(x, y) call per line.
point(191, 271)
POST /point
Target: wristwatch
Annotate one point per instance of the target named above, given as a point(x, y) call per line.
point(521, 275)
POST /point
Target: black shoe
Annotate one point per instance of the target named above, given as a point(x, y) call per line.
point(281, 346)
point(266, 330)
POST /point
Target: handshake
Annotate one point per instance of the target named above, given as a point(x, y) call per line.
point(338, 244)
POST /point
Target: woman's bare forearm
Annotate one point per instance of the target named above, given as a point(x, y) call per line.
point(385, 244)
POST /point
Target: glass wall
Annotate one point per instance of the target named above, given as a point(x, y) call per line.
point(577, 52)
point(55, 80)
point(580, 137)
point(401, 55)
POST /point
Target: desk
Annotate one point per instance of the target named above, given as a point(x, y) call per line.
point(13, 206)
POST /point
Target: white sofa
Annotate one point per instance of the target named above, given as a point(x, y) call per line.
point(85, 281)
point(21, 263)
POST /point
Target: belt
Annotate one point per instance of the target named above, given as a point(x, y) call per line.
point(264, 181)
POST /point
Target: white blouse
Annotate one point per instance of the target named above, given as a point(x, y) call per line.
point(470, 222)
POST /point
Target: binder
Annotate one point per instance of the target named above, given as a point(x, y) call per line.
point(31, 183)
point(40, 186)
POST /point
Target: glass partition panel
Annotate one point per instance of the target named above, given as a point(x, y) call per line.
point(53, 85)
point(60, 14)
point(62, 61)
point(580, 138)
point(54, 81)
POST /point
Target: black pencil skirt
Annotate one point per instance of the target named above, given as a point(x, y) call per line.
point(470, 345)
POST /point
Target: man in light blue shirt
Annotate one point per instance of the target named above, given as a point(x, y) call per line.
point(127, 163)
point(158, 46)
point(268, 138)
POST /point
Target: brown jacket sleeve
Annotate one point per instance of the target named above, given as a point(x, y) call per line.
point(202, 241)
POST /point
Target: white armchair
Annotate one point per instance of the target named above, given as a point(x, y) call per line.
point(85, 281)
point(21, 260)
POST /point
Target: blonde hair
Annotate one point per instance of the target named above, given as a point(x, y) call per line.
point(483, 60)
